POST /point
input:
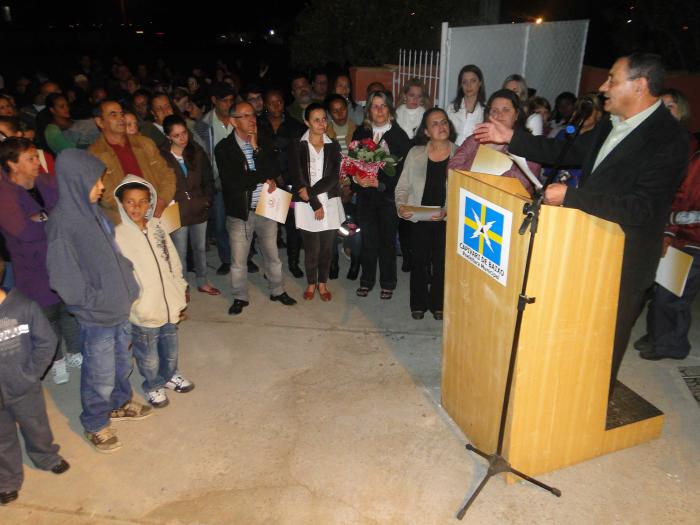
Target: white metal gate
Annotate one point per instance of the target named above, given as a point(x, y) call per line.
point(421, 64)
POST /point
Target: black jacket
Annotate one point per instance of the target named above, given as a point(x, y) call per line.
point(237, 181)
point(195, 192)
point(398, 143)
point(633, 186)
point(299, 171)
point(289, 131)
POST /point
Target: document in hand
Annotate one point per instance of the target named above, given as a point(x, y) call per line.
point(673, 270)
point(274, 205)
point(422, 213)
point(522, 164)
point(170, 219)
point(490, 161)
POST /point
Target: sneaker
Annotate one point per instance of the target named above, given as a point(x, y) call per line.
point(104, 440)
point(59, 372)
point(131, 411)
point(157, 398)
point(74, 360)
point(179, 384)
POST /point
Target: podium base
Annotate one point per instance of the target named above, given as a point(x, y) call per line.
point(627, 407)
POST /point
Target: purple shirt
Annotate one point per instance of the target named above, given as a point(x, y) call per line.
point(26, 239)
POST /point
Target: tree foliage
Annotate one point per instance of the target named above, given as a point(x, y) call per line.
point(371, 33)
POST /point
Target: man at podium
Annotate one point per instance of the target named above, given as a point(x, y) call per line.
point(632, 163)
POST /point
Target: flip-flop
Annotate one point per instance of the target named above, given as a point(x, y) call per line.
point(210, 291)
point(386, 294)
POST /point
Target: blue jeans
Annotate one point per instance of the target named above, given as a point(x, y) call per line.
point(197, 234)
point(104, 376)
point(218, 216)
point(155, 350)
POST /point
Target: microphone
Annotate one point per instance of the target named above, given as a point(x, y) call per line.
point(584, 111)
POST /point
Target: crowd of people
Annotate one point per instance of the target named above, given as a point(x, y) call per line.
point(91, 165)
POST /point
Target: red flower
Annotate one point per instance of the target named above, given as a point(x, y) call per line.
point(369, 144)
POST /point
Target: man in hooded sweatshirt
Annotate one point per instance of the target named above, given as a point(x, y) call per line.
point(97, 284)
point(157, 268)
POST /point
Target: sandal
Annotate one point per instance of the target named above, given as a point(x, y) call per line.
point(362, 291)
point(386, 294)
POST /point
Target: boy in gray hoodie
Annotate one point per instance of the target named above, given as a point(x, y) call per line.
point(96, 282)
point(27, 347)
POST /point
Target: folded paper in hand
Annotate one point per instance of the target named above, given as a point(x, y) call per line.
point(170, 219)
point(274, 205)
point(673, 270)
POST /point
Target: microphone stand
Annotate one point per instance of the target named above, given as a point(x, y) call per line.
point(497, 463)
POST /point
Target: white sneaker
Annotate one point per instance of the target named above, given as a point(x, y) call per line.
point(157, 398)
point(59, 371)
point(179, 384)
point(74, 360)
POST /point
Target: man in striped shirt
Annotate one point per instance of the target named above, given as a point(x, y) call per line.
point(246, 161)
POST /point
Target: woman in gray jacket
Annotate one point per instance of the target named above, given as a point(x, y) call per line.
point(423, 182)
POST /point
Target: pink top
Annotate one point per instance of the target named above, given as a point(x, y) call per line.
point(464, 157)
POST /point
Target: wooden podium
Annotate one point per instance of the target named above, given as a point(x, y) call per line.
point(558, 412)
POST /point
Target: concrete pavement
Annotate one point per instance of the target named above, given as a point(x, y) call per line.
point(328, 413)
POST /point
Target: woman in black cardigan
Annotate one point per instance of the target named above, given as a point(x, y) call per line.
point(376, 211)
point(314, 167)
point(194, 194)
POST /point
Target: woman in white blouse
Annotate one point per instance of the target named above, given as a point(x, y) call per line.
point(516, 83)
point(467, 109)
point(314, 167)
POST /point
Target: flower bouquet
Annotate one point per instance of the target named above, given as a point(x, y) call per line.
point(364, 160)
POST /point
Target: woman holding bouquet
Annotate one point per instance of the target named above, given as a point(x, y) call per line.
point(314, 167)
point(424, 183)
point(375, 197)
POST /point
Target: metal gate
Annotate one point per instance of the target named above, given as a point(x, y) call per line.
point(421, 64)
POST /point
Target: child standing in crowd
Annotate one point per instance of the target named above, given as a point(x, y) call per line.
point(97, 284)
point(157, 268)
point(410, 113)
point(27, 346)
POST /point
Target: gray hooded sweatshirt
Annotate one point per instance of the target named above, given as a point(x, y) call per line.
point(85, 266)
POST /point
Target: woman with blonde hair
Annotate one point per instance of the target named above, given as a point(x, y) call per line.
point(375, 197)
point(516, 83)
point(413, 104)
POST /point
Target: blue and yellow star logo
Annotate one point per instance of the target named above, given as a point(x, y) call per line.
point(483, 230)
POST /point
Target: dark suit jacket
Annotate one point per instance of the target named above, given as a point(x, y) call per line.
point(633, 186)
point(299, 171)
point(237, 181)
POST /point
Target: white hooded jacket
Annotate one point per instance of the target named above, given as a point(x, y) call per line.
point(157, 267)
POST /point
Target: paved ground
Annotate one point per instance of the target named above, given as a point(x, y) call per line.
point(328, 413)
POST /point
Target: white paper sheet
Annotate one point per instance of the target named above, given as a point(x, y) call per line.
point(522, 164)
point(333, 217)
point(673, 270)
point(490, 161)
point(421, 213)
point(274, 205)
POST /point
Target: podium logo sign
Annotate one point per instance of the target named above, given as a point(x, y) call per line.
point(483, 236)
